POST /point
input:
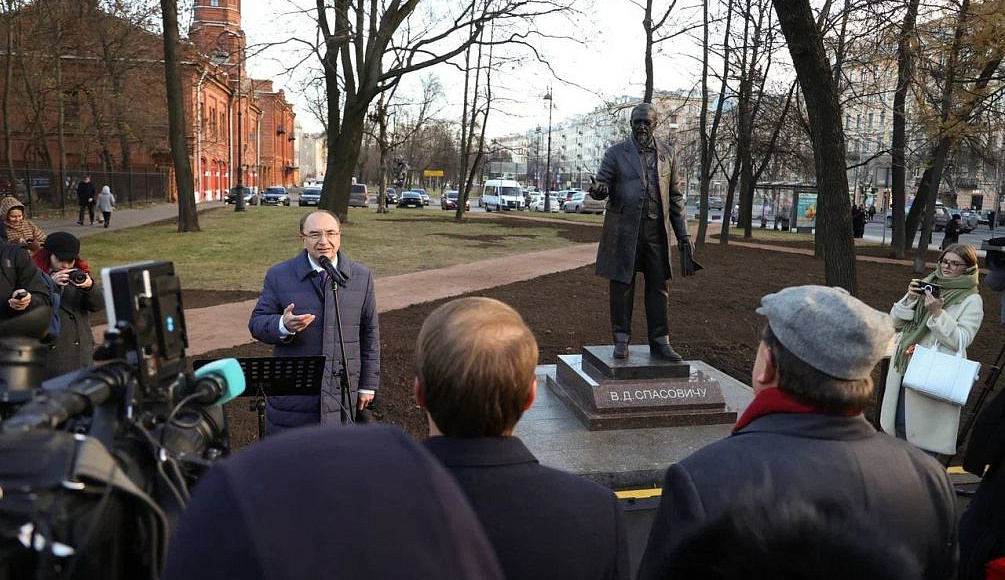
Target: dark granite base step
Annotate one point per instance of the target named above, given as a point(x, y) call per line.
point(638, 365)
point(601, 403)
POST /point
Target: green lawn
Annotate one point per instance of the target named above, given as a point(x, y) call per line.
point(233, 250)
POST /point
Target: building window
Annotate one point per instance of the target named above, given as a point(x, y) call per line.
point(214, 3)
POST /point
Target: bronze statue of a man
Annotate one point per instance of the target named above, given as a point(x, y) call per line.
point(638, 178)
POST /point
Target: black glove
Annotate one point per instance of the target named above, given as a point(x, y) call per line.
point(688, 265)
point(598, 190)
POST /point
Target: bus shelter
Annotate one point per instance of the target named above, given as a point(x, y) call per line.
point(788, 206)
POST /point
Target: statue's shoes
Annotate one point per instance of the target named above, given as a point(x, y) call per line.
point(620, 349)
point(664, 351)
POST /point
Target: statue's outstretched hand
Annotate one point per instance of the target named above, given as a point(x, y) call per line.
point(598, 189)
point(688, 265)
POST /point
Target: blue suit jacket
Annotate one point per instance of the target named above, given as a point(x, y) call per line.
point(542, 522)
point(295, 281)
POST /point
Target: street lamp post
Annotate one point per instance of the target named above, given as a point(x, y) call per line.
point(239, 205)
point(547, 166)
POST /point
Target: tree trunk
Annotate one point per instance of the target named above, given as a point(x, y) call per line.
point(343, 152)
point(8, 79)
point(905, 74)
point(647, 26)
point(813, 70)
point(188, 219)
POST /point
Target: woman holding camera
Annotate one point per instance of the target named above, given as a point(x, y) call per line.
point(944, 310)
point(73, 290)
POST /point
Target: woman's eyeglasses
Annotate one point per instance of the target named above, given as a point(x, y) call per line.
point(952, 263)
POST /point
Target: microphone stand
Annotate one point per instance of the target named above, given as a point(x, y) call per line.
point(348, 410)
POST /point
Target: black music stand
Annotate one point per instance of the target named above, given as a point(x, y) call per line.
point(277, 376)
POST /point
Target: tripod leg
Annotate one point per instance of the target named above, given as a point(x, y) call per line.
point(260, 407)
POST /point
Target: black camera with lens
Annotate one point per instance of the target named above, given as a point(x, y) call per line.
point(77, 276)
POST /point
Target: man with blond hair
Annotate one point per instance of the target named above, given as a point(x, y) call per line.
point(475, 376)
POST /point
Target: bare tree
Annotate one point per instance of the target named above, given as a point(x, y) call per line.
point(813, 70)
point(188, 218)
point(359, 36)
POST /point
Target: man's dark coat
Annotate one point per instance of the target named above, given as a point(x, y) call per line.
point(824, 460)
point(295, 281)
point(18, 271)
point(621, 169)
point(542, 522)
point(325, 503)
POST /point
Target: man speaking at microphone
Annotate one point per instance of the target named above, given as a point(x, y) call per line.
point(296, 313)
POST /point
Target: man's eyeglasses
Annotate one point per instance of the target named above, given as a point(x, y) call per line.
point(316, 236)
point(952, 263)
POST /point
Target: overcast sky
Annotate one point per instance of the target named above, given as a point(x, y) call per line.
point(608, 62)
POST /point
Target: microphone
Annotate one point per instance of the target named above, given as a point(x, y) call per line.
point(217, 382)
point(326, 263)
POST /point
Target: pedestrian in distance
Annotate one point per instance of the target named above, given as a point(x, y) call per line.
point(952, 233)
point(106, 204)
point(85, 200)
point(475, 361)
point(804, 438)
point(947, 320)
point(75, 296)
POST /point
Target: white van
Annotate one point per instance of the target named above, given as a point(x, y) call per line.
point(500, 194)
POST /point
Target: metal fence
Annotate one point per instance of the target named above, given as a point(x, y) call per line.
point(38, 187)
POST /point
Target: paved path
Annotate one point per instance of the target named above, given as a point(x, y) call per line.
point(121, 219)
point(226, 325)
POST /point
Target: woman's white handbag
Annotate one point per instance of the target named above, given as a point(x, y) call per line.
point(947, 377)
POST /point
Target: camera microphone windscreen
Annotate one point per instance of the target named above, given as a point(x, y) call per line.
point(208, 379)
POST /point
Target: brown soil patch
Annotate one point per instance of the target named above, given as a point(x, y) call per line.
point(712, 319)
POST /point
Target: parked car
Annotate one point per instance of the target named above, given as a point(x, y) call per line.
point(537, 202)
point(410, 199)
point(942, 217)
point(390, 196)
point(715, 202)
point(449, 200)
point(969, 220)
point(574, 204)
point(310, 196)
point(276, 195)
point(250, 198)
point(358, 196)
point(502, 194)
point(425, 196)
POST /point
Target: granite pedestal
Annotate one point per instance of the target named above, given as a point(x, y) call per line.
point(639, 391)
point(621, 458)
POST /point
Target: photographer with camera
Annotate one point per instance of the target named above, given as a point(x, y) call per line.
point(75, 297)
point(943, 310)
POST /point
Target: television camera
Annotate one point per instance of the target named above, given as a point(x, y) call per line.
point(95, 465)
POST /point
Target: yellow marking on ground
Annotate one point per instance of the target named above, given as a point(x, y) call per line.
point(639, 493)
point(955, 470)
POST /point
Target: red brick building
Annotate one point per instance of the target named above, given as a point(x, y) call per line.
point(87, 96)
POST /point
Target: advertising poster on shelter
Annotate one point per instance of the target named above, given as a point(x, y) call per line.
point(806, 210)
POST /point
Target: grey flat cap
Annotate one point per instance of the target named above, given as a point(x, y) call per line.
point(829, 329)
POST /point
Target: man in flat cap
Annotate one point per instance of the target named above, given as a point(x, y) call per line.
point(804, 438)
point(638, 178)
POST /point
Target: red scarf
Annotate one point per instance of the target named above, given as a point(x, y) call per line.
point(775, 400)
point(41, 259)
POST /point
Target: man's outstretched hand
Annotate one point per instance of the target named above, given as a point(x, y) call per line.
point(598, 189)
point(688, 265)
